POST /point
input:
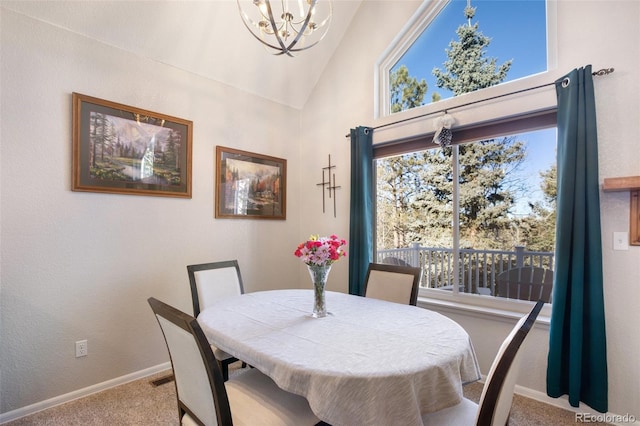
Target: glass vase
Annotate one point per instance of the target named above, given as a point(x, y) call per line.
point(319, 275)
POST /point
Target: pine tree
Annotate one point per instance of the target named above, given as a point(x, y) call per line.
point(467, 68)
point(486, 193)
point(415, 190)
point(399, 185)
point(538, 228)
point(406, 92)
point(397, 176)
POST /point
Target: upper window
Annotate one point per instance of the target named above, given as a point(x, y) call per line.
point(461, 46)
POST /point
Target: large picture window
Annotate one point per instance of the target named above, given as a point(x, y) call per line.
point(469, 212)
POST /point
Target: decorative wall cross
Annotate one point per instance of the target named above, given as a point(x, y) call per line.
point(329, 185)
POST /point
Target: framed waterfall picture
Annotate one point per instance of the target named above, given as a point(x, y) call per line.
point(125, 150)
point(250, 186)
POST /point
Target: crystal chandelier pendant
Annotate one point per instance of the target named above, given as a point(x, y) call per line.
point(287, 26)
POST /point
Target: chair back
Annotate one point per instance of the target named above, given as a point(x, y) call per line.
point(393, 283)
point(211, 282)
point(390, 260)
point(497, 394)
point(526, 283)
point(199, 385)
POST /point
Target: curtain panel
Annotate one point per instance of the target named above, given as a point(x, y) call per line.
point(577, 359)
point(361, 208)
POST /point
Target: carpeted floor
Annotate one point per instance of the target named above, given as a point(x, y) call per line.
point(140, 403)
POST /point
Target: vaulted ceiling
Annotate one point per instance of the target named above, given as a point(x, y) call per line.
point(206, 38)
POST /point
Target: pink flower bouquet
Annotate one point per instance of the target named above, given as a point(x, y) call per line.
point(321, 251)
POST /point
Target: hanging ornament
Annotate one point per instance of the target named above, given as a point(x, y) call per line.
point(443, 133)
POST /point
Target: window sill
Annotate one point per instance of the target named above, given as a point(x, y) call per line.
point(486, 307)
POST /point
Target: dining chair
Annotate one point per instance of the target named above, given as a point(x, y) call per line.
point(393, 283)
point(211, 282)
point(526, 283)
point(204, 398)
point(497, 394)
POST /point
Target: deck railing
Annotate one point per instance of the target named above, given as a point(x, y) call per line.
point(477, 270)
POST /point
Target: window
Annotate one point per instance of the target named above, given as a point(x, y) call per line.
point(503, 41)
point(467, 212)
point(483, 194)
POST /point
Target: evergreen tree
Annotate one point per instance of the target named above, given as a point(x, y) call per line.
point(467, 68)
point(415, 190)
point(486, 189)
point(538, 228)
point(399, 186)
point(397, 176)
point(406, 92)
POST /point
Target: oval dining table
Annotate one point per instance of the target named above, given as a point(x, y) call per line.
point(369, 362)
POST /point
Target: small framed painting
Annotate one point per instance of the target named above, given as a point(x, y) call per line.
point(125, 150)
point(250, 186)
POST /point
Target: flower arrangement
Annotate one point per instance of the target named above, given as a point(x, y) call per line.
point(321, 251)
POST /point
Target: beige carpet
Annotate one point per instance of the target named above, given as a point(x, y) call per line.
point(139, 403)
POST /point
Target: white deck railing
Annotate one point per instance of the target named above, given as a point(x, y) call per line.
point(477, 269)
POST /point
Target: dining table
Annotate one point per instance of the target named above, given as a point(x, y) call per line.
point(368, 362)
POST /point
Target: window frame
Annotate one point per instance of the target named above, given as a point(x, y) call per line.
point(474, 113)
point(525, 122)
point(421, 19)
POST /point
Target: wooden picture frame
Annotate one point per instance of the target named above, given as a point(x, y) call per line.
point(634, 218)
point(631, 184)
point(121, 149)
point(249, 185)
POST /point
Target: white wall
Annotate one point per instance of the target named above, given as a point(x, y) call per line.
point(342, 100)
point(81, 265)
point(602, 33)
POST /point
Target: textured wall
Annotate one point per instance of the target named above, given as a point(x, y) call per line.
point(81, 265)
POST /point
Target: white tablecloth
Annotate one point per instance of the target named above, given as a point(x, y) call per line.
point(369, 362)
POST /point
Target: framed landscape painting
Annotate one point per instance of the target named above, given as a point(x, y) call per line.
point(125, 150)
point(250, 186)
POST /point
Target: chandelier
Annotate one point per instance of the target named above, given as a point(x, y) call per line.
point(287, 25)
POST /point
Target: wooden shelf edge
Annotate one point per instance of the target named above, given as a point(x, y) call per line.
point(628, 183)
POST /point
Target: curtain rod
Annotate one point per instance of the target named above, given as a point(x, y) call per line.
point(601, 72)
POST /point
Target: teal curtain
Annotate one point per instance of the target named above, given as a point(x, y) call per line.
point(361, 209)
point(577, 360)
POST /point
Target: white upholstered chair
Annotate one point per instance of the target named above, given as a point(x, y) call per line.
point(497, 394)
point(393, 283)
point(211, 282)
point(204, 398)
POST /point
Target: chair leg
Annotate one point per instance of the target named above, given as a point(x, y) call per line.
point(225, 370)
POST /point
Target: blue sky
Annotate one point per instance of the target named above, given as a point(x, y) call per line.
point(517, 29)
point(541, 155)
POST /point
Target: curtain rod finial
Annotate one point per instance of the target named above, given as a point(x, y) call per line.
point(603, 71)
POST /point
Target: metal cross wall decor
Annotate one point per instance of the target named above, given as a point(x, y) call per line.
point(329, 185)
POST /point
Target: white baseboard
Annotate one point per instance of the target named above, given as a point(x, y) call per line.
point(80, 393)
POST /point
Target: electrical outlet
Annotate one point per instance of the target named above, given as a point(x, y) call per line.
point(621, 241)
point(82, 348)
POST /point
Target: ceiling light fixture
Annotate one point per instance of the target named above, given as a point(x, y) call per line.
point(302, 24)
